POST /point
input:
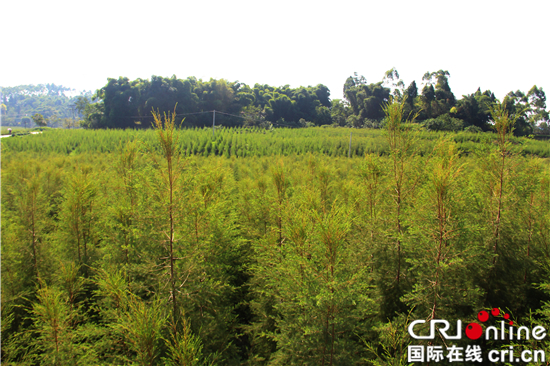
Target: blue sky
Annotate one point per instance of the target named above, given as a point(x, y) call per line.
point(489, 44)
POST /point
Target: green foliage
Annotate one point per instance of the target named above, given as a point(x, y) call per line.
point(58, 339)
point(444, 123)
point(26, 122)
point(284, 250)
point(252, 142)
point(124, 103)
point(185, 348)
point(141, 325)
point(39, 120)
point(169, 185)
point(443, 265)
point(365, 99)
point(79, 216)
point(47, 100)
point(473, 109)
point(503, 125)
point(402, 180)
point(393, 341)
point(439, 100)
point(311, 286)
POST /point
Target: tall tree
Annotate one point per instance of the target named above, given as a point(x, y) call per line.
point(121, 102)
point(499, 171)
point(410, 94)
point(442, 262)
point(39, 120)
point(401, 141)
point(439, 100)
point(474, 109)
point(393, 81)
point(365, 99)
point(537, 113)
point(79, 216)
point(170, 171)
point(517, 105)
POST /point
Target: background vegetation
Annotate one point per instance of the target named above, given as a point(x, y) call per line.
point(124, 103)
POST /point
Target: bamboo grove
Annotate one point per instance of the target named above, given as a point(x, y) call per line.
point(139, 249)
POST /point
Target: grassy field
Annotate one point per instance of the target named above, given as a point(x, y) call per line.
point(4, 130)
point(22, 130)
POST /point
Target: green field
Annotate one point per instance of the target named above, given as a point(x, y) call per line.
point(266, 247)
point(4, 130)
point(20, 131)
point(243, 142)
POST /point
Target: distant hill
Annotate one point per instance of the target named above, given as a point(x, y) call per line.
point(50, 100)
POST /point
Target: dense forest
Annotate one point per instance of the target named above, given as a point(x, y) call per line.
point(124, 103)
point(255, 246)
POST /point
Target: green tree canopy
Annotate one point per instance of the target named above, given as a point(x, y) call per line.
point(39, 120)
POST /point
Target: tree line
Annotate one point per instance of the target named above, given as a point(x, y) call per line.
point(124, 103)
point(128, 104)
point(436, 106)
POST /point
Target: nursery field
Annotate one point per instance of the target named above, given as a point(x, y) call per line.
point(255, 142)
point(267, 247)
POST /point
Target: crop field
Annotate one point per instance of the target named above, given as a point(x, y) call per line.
point(267, 247)
point(252, 142)
point(4, 130)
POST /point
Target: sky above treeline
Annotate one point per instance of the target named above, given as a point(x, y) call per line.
point(484, 43)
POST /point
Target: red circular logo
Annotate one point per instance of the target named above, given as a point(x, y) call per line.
point(473, 331)
point(483, 316)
